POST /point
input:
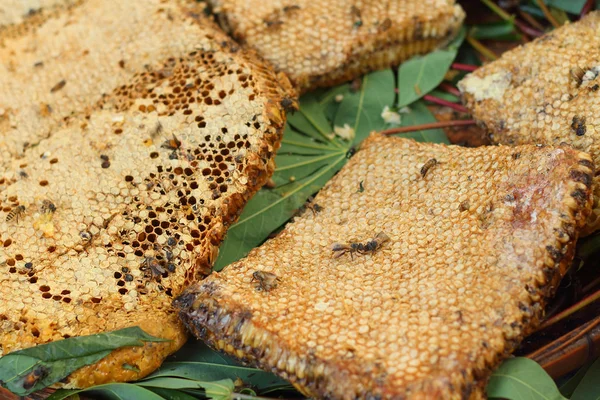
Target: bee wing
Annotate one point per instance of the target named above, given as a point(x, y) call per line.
point(339, 247)
point(382, 237)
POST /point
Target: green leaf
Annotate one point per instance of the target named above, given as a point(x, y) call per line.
point(116, 391)
point(215, 390)
point(207, 372)
point(361, 110)
point(568, 387)
point(419, 114)
point(271, 208)
point(311, 120)
point(170, 394)
point(25, 371)
point(588, 247)
point(570, 6)
point(504, 30)
point(421, 74)
point(589, 388)
point(522, 379)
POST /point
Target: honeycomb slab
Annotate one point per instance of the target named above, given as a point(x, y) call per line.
point(131, 135)
point(544, 92)
point(323, 43)
point(474, 243)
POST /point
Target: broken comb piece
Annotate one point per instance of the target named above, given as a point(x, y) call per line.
point(446, 296)
point(546, 92)
point(161, 133)
point(323, 43)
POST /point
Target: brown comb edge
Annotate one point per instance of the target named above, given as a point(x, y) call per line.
point(493, 130)
point(227, 327)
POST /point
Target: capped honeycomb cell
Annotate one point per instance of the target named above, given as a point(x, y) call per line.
point(323, 43)
point(545, 91)
point(158, 129)
point(415, 287)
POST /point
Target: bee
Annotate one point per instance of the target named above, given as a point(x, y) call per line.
point(47, 207)
point(432, 162)
point(577, 74)
point(266, 280)
point(32, 378)
point(370, 246)
point(58, 86)
point(15, 214)
point(152, 268)
point(172, 144)
point(310, 205)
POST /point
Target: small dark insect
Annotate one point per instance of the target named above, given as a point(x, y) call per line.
point(312, 206)
point(47, 207)
point(58, 86)
point(361, 188)
point(427, 166)
point(23, 174)
point(355, 12)
point(275, 23)
point(385, 25)
point(355, 85)
point(350, 152)
point(15, 214)
point(361, 248)
point(577, 74)
point(157, 130)
point(291, 8)
point(38, 64)
point(172, 144)
point(266, 280)
point(38, 373)
point(578, 125)
point(152, 268)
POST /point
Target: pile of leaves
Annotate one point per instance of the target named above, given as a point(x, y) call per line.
point(318, 140)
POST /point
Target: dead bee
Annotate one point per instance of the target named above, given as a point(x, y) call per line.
point(266, 280)
point(312, 206)
point(58, 86)
point(275, 23)
point(427, 166)
point(15, 214)
point(152, 268)
point(355, 12)
point(578, 125)
point(35, 376)
point(47, 207)
point(361, 248)
point(577, 74)
point(172, 144)
point(385, 25)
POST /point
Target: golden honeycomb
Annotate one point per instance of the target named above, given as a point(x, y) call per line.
point(160, 131)
point(323, 43)
point(478, 240)
point(545, 91)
